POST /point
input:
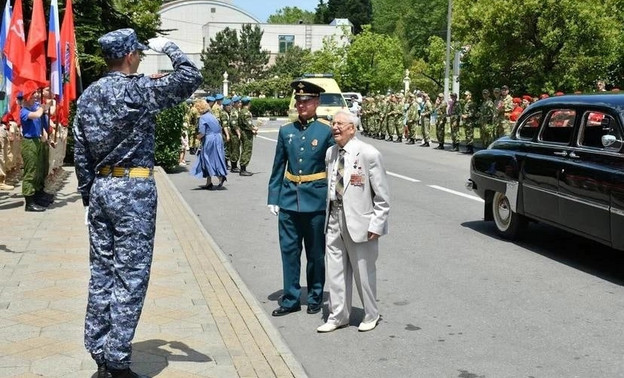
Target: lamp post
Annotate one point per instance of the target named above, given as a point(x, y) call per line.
point(448, 50)
point(276, 78)
point(226, 84)
point(406, 82)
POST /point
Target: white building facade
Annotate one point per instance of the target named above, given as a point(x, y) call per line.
point(193, 23)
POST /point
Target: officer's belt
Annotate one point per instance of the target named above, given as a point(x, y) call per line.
point(305, 178)
point(133, 172)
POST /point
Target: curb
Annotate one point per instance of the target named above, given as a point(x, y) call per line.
point(280, 345)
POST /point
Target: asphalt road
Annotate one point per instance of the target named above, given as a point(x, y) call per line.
point(455, 300)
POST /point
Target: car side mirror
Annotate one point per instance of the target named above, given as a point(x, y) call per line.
point(608, 140)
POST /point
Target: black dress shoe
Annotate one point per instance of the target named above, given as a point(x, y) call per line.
point(313, 308)
point(281, 311)
point(124, 373)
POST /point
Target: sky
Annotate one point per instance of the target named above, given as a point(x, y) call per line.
point(262, 9)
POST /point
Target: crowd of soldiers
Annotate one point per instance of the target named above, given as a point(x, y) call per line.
point(397, 117)
point(54, 147)
point(236, 122)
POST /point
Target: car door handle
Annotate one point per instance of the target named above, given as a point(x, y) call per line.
point(573, 155)
point(562, 153)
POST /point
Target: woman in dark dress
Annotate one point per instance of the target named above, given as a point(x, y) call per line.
point(211, 155)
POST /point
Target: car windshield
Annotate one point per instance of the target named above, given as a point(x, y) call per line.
point(332, 99)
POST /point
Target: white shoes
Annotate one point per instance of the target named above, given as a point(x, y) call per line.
point(330, 327)
point(368, 326)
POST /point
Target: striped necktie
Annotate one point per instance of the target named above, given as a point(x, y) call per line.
point(340, 175)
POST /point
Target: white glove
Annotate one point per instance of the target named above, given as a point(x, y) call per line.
point(86, 215)
point(157, 44)
point(274, 209)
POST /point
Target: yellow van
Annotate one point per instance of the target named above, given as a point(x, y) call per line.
point(330, 101)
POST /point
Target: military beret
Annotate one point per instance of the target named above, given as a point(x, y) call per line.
point(517, 100)
point(210, 99)
point(246, 100)
point(527, 97)
point(543, 95)
point(305, 89)
point(559, 93)
point(236, 99)
point(218, 97)
point(119, 43)
point(227, 102)
point(28, 88)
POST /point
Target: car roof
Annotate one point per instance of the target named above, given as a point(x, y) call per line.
point(327, 83)
point(603, 100)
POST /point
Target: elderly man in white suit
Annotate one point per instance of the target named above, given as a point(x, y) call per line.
point(357, 215)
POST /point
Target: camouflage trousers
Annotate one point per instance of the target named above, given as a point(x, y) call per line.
point(412, 129)
point(122, 223)
point(440, 126)
point(487, 134)
point(246, 142)
point(469, 130)
point(234, 147)
point(425, 124)
point(454, 129)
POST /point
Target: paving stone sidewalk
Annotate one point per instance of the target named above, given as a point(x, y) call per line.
point(199, 319)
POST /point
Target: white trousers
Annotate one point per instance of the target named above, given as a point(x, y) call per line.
point(344, 261)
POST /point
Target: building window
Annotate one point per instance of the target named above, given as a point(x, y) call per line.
point(286, 42)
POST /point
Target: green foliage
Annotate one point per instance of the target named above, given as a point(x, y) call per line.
point(240, 56)
point(266, 107)
point(542, 46)
point(169, 124)
point(359, 12)
point(270, 87)
point(291, 15)
point(329, 59)
point(292, 64)
point(371, 64)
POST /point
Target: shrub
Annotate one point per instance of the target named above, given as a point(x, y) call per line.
point(267, 107)
point(169, 124)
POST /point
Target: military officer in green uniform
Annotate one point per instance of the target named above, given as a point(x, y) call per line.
point(297, 195)
point(469, 118)
point(440, 109)
point(454, 112)
point(425, 119)
point(248, 130)
point(235, 134)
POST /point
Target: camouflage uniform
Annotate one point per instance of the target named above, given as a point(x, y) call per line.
point(469, 117)
point(508, 106)
point(455, 112)
point(245, 122)
point(224, 119)
point(425, 120)
point(235, 131)
point(486, 119)
point(413, 119)
point(114, 132)
point(440, 109)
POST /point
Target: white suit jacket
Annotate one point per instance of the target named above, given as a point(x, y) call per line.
point(366, 202)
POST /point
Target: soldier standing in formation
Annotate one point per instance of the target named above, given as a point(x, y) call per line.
point(248, 131)
point(454, 112)
point(413, 119)
point(507, 108)
point(469, 117)
point(235, 135)
point(440, 109)
point(114, 134)
point(297, 195)
point(425, 119)
point(486, 119)
point(224, 119)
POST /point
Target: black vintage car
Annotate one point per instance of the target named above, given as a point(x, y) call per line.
point(563, 164)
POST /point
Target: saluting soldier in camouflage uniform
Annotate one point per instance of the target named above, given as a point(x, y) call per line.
point(440, 108)
point(454, 113)
point(425, 119)
point(114, 134)
point(469, 117)
point(486, 118)
point(235, 134)
point(248, 130)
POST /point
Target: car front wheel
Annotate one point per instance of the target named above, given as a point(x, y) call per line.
point(509, 224)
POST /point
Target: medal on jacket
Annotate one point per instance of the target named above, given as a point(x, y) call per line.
point(290, 136)
point(314, 143)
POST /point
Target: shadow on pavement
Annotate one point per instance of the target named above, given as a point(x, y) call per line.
point(153, 356)
point(575, 251)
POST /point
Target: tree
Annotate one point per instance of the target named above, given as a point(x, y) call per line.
point(291, 64)
point(220, 56)
point(542, 46)
point(252, 61)
point(371, 63)
point(329, 59)
point(291, 15)
point(359, 12)
point(428, 75)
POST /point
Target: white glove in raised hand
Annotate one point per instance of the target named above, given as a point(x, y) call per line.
point(86, 215)
point(274, 209)
point(157, 44)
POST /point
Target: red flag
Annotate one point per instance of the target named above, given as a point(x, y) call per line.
point(36, 46)
point(68, 62)
point(15, 52)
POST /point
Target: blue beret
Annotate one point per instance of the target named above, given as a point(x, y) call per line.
point(226, 102)
point(218, 96)
point(120, 43)
point(236, 99)
point(246, 100)
point(210, 99)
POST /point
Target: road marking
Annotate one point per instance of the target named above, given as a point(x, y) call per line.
point(474, 198)
point(402, 177)
point(456, 193)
